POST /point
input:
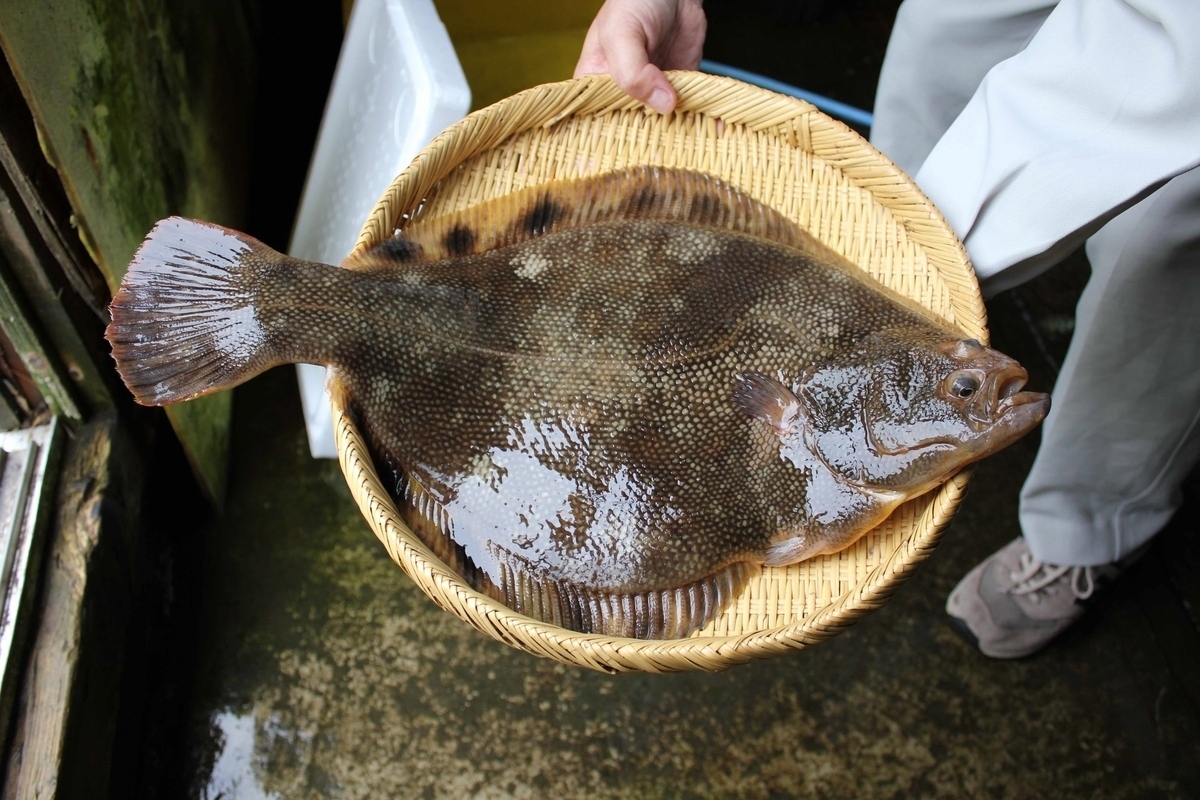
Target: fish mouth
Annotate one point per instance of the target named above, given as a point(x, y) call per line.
point(1006, 395)
point(1020, 410)
point(1008, 382)
point(1007, 405)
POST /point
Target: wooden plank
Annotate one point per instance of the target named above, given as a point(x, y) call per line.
point(22, 160)
point(58, 277)
point(44, 367)
point(44, 297)
point(30, 474)
point(144, 111)
point(207, 446)
point(9, 418)
point(62, 740)
point(19, 393)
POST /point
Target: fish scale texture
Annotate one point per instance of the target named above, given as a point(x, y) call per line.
point(586, 446)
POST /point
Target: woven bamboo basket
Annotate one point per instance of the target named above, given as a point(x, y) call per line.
point(786, 154)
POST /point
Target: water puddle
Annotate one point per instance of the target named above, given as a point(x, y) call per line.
point(235, 774)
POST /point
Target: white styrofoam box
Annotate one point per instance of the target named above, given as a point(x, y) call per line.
point(398, 84)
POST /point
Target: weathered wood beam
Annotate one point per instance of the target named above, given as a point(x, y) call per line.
point(143, 109)
point(43, 290)
point(63, 733)
point(42, 362)
point(84, 278)
point(28, 477)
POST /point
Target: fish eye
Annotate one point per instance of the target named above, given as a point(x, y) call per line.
point(964, 385)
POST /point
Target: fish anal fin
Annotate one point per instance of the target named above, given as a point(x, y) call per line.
point(672, 613)
point(634, 193)
point(431, 522)
point(767, 400)
point(653, 614)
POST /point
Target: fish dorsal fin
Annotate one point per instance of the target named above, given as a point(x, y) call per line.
point(636, 193)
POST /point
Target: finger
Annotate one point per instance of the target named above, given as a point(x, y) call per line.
point(629, 63)
point(591, 57)
point(686, 46)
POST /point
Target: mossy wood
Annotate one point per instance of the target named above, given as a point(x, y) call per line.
point(784, 153)
point(62, 288)
point(17, 322)
point(28, 287)
point(143, 110)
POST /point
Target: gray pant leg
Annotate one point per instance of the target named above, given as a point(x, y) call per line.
point(1124, 428)
point(936, 58)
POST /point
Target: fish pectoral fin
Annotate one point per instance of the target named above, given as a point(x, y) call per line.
point(791, 551)
point(767, 400)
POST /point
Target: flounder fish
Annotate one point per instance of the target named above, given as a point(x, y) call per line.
point(605, 402)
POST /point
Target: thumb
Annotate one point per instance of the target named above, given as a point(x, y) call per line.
point(629, 64)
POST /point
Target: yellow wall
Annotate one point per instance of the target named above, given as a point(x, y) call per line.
point(508, 46)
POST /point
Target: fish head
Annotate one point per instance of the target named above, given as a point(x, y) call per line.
point(904, 411)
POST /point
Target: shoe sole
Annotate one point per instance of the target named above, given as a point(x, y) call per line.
point(964, 632)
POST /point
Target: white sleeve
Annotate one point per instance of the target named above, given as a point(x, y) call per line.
point(1100, 109)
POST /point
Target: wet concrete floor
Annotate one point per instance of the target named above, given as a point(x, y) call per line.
point(324, 673)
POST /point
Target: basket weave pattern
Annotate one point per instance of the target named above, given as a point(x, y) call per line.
point(781, 151)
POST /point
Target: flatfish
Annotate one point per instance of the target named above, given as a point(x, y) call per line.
point(605, 402)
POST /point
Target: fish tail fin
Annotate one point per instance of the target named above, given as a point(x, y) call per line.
point(185, 321)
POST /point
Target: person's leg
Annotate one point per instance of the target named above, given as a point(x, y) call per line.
point(1122, 434)
point(938, 53)
point(1124, 430)
point(1038, 154)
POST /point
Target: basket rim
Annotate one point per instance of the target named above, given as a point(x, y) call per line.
point(488, 128)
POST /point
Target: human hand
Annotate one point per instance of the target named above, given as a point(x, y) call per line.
point(635, 40)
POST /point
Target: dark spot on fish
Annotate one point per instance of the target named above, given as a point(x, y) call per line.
point(542, 216)
point(642, 200)
point(399, 248)
point(706, 208)
point(460, 240)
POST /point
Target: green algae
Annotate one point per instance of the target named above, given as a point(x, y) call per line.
point(142, 107)
point(144, 110)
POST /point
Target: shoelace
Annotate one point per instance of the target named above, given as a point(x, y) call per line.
point(1035, 576)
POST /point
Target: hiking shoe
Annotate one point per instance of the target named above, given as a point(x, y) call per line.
point(1012, 605)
